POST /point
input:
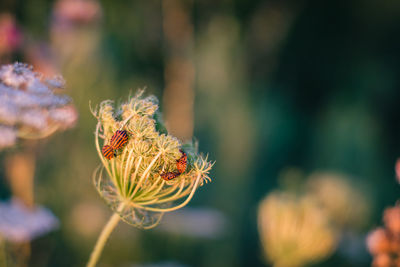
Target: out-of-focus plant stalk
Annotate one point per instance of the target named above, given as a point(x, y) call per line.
point(102, 240)
point(179, 68)
point(3, 256)
point(20, 169)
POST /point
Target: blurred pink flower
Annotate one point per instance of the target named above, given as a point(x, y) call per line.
point(391, 218)
point(10, 35)
point(384, 242)
point(382, 260)
point(378, 241)
point(70, 12)
point(21, 224)
point(397, 169)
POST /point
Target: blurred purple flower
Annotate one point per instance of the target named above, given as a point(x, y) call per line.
point(21, 224)
point(8, 111)
point(65, 116)
point(29, 103)
point(33, 118)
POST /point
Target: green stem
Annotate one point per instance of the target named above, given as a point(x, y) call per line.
point(101, 241)
point(3, 256)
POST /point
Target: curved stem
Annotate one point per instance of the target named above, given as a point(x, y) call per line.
point(99, 149)
point(104, 235)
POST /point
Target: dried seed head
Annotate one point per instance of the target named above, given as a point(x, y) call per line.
point(131, 182)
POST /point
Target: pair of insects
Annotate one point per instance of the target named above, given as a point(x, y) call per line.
point(181, 164)
point(120, 138)
point(117, 141)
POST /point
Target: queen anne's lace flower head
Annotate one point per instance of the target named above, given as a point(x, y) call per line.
point(130, 182)
point(294, 231)
point(30, 106)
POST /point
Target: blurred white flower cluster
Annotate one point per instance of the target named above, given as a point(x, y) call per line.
point(30, 105)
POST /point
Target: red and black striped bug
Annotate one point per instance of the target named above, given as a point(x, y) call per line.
point(117, 141)
point(182, 162)
point(167, 176)
point(108, 152)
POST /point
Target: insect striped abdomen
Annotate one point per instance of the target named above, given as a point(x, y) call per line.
point(167, 176)
point(108, 152)
point(182, 162)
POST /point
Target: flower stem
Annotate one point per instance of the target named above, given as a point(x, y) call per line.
point(3, 256)
point(101, 241)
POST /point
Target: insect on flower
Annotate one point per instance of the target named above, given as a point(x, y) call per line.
point(182, 162)
point(117, 141)
point(167, 176)
point(135, 184)
point(108, 152)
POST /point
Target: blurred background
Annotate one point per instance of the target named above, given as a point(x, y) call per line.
point(290, 98)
